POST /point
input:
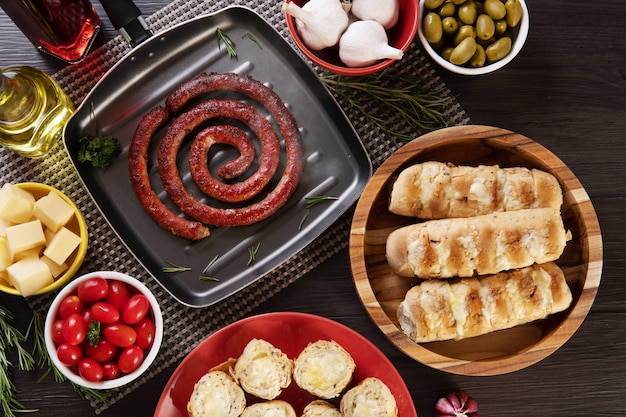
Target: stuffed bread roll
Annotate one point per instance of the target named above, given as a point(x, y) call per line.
point(482, 245)
point(216, 394)
point(436, 190)
point(273, 408)
point(444, 309)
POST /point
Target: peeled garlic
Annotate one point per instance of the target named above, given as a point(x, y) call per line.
point(364, 43)
point(319, 22)
point(385, 12)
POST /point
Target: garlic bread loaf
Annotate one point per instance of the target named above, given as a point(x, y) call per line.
point(456, 309)
point(272, 408)
point(370, 398)
point(482, 245)
point(323, 368)
point(437, 190)
point(216, 394)
point(263, 370)
point(320, 408)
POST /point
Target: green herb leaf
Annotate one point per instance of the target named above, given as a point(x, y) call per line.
point(174, 268)
point(223, 37)
point(93, 333)
point(252, 254)
point(399, 95)
point(252, 38)
point(204, 276)
point(310, 202)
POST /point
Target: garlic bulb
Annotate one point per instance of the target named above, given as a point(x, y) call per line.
point(385, 12)
point(347, 5)
point(364, 43)
point(319, 22)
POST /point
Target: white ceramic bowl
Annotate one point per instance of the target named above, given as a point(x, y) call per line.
point(150, 354)
point(518, 37)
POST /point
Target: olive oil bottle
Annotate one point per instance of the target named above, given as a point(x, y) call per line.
point(33, 111)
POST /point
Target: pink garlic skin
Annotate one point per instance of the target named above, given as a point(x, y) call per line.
point(456, 404)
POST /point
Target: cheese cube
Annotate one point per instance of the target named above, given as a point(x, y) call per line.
point(29, 275)
point(3, 226)
point(53, 211)
point(26, 253)
point(16, 205)
point(5, 255)
point(62, 245)
point(4, 279)
point(25, 236)
point(55, 268)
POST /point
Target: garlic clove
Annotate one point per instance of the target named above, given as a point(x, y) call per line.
point(456, 404)
point(385, 12)
point(364, 43)
point(320, 23)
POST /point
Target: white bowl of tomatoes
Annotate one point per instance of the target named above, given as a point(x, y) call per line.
point(103, 329)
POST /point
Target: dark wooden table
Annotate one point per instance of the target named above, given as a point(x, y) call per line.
point(566, 90)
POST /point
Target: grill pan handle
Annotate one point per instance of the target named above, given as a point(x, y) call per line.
point(127, 20)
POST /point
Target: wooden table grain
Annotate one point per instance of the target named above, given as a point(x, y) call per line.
point(567, 91)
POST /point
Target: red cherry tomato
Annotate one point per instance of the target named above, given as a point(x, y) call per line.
point(104, 312)
point(68, 354)
point(75, 329)
point(93, 289)
point(130, 359)
point(111, 371)
point(118, 294)
point(145, 333)
point(135, 309)
point(70, 305)
point(57, 331)
point(102, 352)
point(87, 316)
point(90, 370)
point(120, 335)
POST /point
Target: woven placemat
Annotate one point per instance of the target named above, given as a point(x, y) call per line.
point(185, 327)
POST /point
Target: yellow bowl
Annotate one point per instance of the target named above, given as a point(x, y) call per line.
point(76, 224)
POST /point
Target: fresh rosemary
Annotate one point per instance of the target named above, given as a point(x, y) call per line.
point(205, 271)
point(401, 95)
point(223, 37)
point(252, 38)
point(310, 202)
point(252, 254)
point(175, 268)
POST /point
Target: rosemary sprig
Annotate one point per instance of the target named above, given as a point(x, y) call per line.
point(223, 37)
point(310, 202)
point(175, 268)
point(252, 38)
point(205, 271)
point(252, 254)
point(400, 95)
point(10, 338)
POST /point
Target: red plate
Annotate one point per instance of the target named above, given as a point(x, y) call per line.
point(290, 332)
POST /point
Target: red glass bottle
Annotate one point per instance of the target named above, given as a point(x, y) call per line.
point(62, 28)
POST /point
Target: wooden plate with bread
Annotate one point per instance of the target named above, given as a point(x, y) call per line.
point(459, 289)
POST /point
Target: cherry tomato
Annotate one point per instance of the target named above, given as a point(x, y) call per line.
point(75, 329)
point(68, 354)
point(102, 352)
point(70, 305)
point(111, 371)
point(130, 359)
point(57, 331)
point(118, 294)
point(90, 370)
point(104, 312)
point(87, 316)
point(135, 309)
point(93, 289)
point(145, 333)
point(120, 335)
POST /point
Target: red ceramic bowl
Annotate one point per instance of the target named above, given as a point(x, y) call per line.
point(400, 36)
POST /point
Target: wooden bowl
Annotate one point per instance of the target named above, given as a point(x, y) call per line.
point(381, 291)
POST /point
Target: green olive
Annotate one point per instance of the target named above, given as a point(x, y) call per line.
point(447, 9)
point(513, 12)
point(495, 9)
point(458, 2)
point(433, 4)
point(467, 12)
point(499, 49)
point(450, 26)
point(446, 52)
point(432, 28)
point(485, 27)
point(465, 31)
point(478, 59)
point(464, 51)
point(501, 27)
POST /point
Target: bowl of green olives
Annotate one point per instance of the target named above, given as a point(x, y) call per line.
point(473, 37)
